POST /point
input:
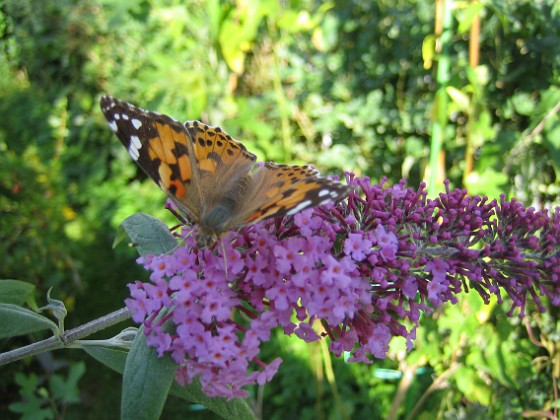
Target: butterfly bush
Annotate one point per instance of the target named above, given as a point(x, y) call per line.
point(359, 272)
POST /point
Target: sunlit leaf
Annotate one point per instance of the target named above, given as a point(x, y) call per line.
point(148, 234)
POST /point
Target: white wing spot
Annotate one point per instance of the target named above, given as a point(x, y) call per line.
point(134, 147)
point(301, 206)
point(136, 123)
point(113, 125)
point(125, 117)
point(117, 116)
point(322, 193)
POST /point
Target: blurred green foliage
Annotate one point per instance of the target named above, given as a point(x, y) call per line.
point(41, 402)
point(344, 84)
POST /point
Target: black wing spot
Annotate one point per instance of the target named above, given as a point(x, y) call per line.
point(181, 149)
point(214, 156)
point(289, 192)
point(175, 172)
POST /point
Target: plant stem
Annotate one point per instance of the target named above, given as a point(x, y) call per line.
point(67, 338)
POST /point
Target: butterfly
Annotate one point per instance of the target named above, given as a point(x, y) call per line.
point(211, 177)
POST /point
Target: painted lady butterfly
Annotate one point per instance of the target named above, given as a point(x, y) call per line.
point(209, 175)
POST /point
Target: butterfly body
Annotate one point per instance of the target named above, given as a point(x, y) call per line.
point(210, 176)
point(214, 219)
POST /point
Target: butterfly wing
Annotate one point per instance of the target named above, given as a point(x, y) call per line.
point(222, 164)
point(162, 147)
point(284, 190)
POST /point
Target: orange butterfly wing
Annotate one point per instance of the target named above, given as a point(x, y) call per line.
point(161, 146)
point(284, 190)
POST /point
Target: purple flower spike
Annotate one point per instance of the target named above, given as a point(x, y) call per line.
point(357, 272)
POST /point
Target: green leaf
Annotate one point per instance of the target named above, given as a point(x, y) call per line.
point(552, 143)
point(428, 50)
point(31, 405)
point(234, 409)
point(467, 16)
point(487, 182)
point(482, 129)
point(459, 98)
point(15, 291)
point(478, 77)
point(293, 21)
point(15, 320)
point(238, 32)
point(66, 389)
point(27, 383)
point(148, 234)
point(146, 381)
point(120, 236)
point(470, 383)
point(112, 358)
point(31, 409)
point(523, 103)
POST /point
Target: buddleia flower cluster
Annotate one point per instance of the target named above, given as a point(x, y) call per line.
point(356, 273)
